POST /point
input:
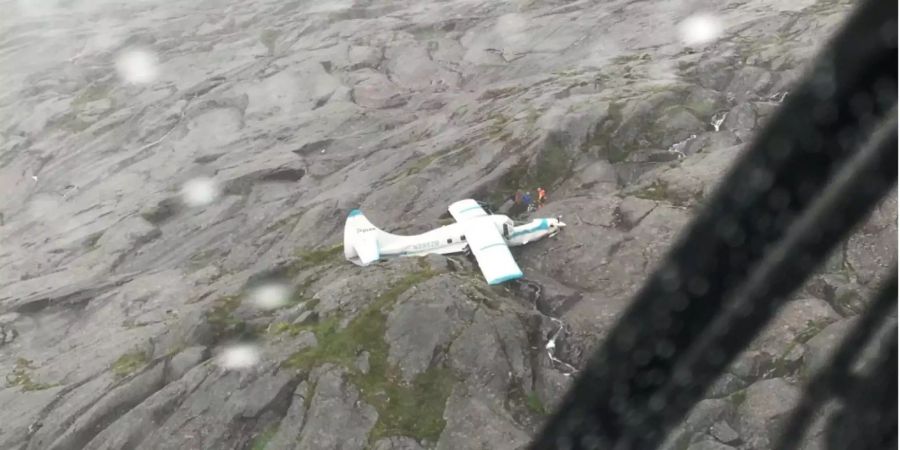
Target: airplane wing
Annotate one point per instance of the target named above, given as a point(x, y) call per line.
point(466, 209)
point(496, 262)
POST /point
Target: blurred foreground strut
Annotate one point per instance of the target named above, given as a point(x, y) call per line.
point(823, 162)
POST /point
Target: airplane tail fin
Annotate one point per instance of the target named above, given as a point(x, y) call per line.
point(361, 239)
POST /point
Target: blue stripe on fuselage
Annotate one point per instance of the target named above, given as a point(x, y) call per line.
point(543, 225)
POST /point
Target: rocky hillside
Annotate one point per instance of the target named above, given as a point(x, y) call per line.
point(176, 175)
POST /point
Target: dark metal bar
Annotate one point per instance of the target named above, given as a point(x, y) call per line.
point(834, 375)
point(857, 189)
point(868, 419)
point(615, 400)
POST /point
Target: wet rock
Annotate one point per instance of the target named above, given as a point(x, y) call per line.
point(374, 90)
point(703, 415)
point(362, 56)
point(8, 334)
point(777, 350)
point(676, 124)
point(127, 236)
point(491, 354)
point(741, 120)
point(135, 425)
point(294, 420)
point(749, 82)
point(304, 318)
point(817, 435)
point(726, 385)
point(764, 411)
point(709, 445)
point(475, 422)
point(184, 361)
point(823, 344)
point(337, 417)
point(711, 142)
point(847, 298)
point(704, 102)
point(724, 433)
point(291, 314)
point(411, 67)
point(423, 321)
point(437, 264)
point(715, 73)
point(347, 296)
point(362, 363)
point(599, 176)
point(871, 251)
point(765, 110)
point(632, 210)
point(212, 411)
point(551, 383)
point(397, 443)
point(123, 397)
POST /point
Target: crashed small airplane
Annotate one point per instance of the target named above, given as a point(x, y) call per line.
point(486, 236)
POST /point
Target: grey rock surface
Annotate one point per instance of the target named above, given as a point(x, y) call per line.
point(764, 412)
point(401, 443)
point(777, 350)
point(698, 422)
point(709, 445)
point(478, 423)
point(159, 159)
point(819, 348)
point(424, 321)
point(337, 418)
point(724, 433)
point(292, 424)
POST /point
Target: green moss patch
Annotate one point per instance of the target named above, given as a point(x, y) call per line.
point(90, 94)
point(129, 363)
point(262, 440)
point(21, 377)
point(553, 162)
point(738, 397)
point(415, 409)
point(516, 177)
point(268, 37)
point(535, 404)
point(417, 166)
point(364, 332)
point(658, 191)
point(497, 127)
point(222, 319)
point(404, 409)
point(318, 257)
point(812, 328)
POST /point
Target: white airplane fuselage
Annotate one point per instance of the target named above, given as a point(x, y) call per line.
point(451, 238)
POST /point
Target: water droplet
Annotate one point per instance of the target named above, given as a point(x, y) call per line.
point(270, 296)
point(199, 191)
point(699, 29)
point(137, 66)
point(238, 357)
